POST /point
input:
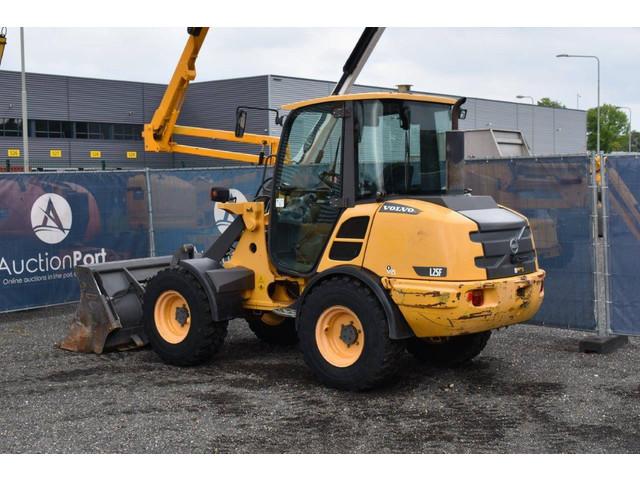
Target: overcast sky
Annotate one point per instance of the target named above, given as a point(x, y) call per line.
point(496, 63)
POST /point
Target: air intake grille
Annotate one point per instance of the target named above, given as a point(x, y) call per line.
point(506, 252)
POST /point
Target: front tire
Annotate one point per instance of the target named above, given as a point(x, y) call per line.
point(178, 319)
point(448, 351)
point(344, 335)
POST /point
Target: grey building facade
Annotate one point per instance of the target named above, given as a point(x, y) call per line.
point(94, 123)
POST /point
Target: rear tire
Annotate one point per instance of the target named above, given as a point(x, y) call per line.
point(450, 351)
point(344, 335)
point(178, 320)
point(273, 329)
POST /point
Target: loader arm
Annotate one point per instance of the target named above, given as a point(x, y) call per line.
point(158, 134)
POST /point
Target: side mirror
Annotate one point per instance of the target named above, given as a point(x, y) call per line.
point(241, 122)
point(462, 114)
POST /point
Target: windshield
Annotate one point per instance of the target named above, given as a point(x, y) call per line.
point(401, 147)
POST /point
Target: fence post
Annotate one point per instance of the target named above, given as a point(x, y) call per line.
point(604, 342)
point(597, 313)
point(152, 240)
point(605, 244)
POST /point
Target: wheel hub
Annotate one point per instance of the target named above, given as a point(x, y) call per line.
point(349, 334)
point(182, 314)
point(172, 316)
point(339, 336)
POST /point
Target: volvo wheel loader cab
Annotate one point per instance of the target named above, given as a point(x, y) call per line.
point(364, 246)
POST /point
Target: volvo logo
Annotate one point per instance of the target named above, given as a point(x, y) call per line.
point(397, 208)
point(514, 245)
point(223, 219)
point(51, 218)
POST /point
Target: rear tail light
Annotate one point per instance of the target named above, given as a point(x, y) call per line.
point(476, 297)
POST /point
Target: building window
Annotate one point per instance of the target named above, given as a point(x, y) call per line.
point(53, 129)
point(127, 131)
point(10, 127)
point(94, 131)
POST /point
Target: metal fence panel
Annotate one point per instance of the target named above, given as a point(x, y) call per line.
point(110, 220)
point(623, 223)
point(554, 193)
point(182, 211)
point(51, 222)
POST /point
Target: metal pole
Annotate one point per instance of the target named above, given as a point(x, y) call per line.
point(25, 117)
point(577, 101)
point(152, 238)
point(598, 135)
point(600, 324)
point(605, 247)
point(533, 119)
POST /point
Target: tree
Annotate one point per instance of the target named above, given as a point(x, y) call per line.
point(614, 126)
point(547, 102)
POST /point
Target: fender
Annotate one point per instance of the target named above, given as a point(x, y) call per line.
point(398, 327)
point(222, 287)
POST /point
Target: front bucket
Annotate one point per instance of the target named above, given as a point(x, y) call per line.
point(109, 315)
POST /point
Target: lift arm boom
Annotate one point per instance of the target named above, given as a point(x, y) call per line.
point(359, 56)
point(158, 135)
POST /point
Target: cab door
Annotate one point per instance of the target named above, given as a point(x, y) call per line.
point(308, 184)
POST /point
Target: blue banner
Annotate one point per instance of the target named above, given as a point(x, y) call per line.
point(623, 192)
point(554, 194)
point(182, 208)
point(52, 222)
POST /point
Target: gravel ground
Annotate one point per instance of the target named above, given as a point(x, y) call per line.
point(530, 391)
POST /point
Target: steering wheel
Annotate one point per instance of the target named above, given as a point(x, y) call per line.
point(329, 178)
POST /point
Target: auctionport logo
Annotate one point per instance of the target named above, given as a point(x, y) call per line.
point(51, 222)
point(51, 218)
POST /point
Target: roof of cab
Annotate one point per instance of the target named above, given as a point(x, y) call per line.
point(417, 97)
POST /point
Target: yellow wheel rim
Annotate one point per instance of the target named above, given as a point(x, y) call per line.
point(339, 336)
point(172, 316)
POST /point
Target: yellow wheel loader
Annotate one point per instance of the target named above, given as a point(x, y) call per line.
point(364, 244)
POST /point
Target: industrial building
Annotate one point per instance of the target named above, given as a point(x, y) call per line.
point(95, 123)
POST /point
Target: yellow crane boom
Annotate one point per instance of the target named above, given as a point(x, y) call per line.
point(3, 41)
point(159, 133)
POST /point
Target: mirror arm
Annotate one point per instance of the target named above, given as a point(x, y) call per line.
point(279, 118)
point(455, 113)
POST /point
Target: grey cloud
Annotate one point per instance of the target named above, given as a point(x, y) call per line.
point(496, 63)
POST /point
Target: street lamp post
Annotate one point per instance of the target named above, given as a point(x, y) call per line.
point(565, 55)
point(533, 118)
point(603, 315)
point(25, 117)
point(627, 108)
